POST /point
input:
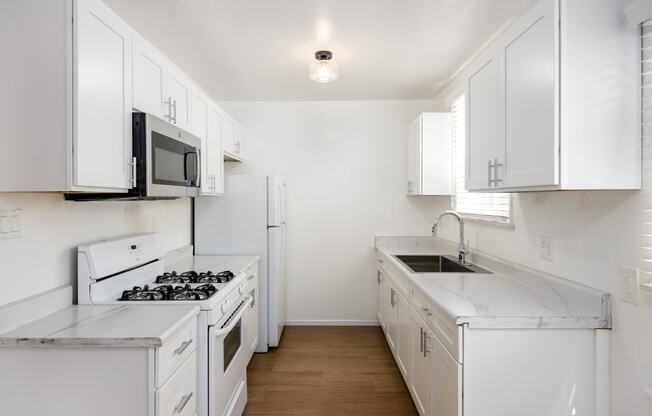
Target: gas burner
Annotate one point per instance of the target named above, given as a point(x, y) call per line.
point(194, 277)
point(144, 293)
point(209, 277)
point(169, 292)
point(173, 277)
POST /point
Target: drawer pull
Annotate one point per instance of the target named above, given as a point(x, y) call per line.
point(184, 401)
point(182, 347)
point(427, 312)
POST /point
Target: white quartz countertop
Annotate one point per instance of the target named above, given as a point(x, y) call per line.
point(512, 296)
point(101, 326)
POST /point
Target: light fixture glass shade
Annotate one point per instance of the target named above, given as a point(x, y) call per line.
point(323, 71)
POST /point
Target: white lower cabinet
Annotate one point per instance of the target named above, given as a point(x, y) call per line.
point(454, 370)
point(104, 380)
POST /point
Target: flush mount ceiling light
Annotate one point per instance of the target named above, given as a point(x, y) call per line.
point(323, 69)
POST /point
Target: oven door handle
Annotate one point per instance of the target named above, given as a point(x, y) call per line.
point(235, 318)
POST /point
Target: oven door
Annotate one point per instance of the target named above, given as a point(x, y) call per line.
point(173, 160)
point(227, 360)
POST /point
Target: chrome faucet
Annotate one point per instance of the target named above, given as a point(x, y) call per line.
point(461, 256)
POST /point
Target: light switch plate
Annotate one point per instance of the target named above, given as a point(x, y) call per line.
point(630, 285)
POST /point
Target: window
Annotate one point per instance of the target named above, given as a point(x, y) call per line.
point(492, 207)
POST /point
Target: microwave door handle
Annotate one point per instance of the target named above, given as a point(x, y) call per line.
point(198, 165)
point(234, 319)
point(195, 164)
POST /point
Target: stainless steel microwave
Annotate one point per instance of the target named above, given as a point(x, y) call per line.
point(166, 162)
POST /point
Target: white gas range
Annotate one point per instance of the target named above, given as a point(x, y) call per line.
point(131, 270)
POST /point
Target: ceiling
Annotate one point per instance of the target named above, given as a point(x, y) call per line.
point(259, 50)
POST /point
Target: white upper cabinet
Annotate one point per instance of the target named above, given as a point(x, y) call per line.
point(102, 99)
point(528, 58)
point(233, 138)
point(205, 123)
point(149, 79)
point(481, 120)
point(177, 97)
point(540, 113)
point(214, 151)
point(429, 155)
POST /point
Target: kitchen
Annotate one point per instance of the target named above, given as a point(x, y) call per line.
point(353, 176)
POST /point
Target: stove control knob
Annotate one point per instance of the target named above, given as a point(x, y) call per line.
point(224, 307)
point(241, 289)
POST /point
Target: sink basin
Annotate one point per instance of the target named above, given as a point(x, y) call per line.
point(437, 264)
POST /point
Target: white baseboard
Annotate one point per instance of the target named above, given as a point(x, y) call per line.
point(324, 322)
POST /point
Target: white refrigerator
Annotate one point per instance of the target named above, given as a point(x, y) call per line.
point(250, 219)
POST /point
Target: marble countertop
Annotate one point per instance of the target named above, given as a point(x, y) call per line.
point(512, 296)
point(183, 260)
point(101, 326)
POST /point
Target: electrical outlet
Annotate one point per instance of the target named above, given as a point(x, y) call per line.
point(10, 223)
point(629, 284)
point(547, 247)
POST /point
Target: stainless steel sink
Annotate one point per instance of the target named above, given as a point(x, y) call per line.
point(437, 264)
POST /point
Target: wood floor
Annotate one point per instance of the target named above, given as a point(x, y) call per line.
point(334, 371)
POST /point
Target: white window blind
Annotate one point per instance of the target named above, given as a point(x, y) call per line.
point(495, 207)
point(646, 131)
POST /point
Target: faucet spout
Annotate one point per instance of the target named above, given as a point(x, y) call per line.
point(461, 246)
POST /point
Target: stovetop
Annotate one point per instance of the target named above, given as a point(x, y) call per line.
point(173, 286)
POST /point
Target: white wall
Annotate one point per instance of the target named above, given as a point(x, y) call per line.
point(345, 167)
point(45, 257)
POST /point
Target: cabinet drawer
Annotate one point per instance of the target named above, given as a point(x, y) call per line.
point(175, 351)
point(398, 278)
point(178, 396)
point(448, 334)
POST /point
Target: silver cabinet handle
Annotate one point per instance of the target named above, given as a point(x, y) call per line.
point(489, 168)
point(391, 296)
point(425, 343)
point(421, 340)
point(427, 312)
point(184, 401)
point(182, 347)
point(133, 171)
point(496, 166)
point(168, 102)
point(174, 105)
point(237, 147)
point(379, 278)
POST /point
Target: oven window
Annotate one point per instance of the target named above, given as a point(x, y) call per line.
point(232, 342)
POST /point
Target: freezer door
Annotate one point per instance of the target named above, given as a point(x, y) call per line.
point(276, 284)
point(276, 201)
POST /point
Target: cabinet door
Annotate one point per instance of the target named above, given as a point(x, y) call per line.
point(380, 301)
point(391, 317)
point(411, 158)
point(149, 79)
point(178, 91)
point(228, 135)
point(529, 122)
point(481, 121)
point(198, 127)
point(252, 321)
point(419, 366)
point(214, 151)
point(403, 335)
point(102, 98)
point(446, 377)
